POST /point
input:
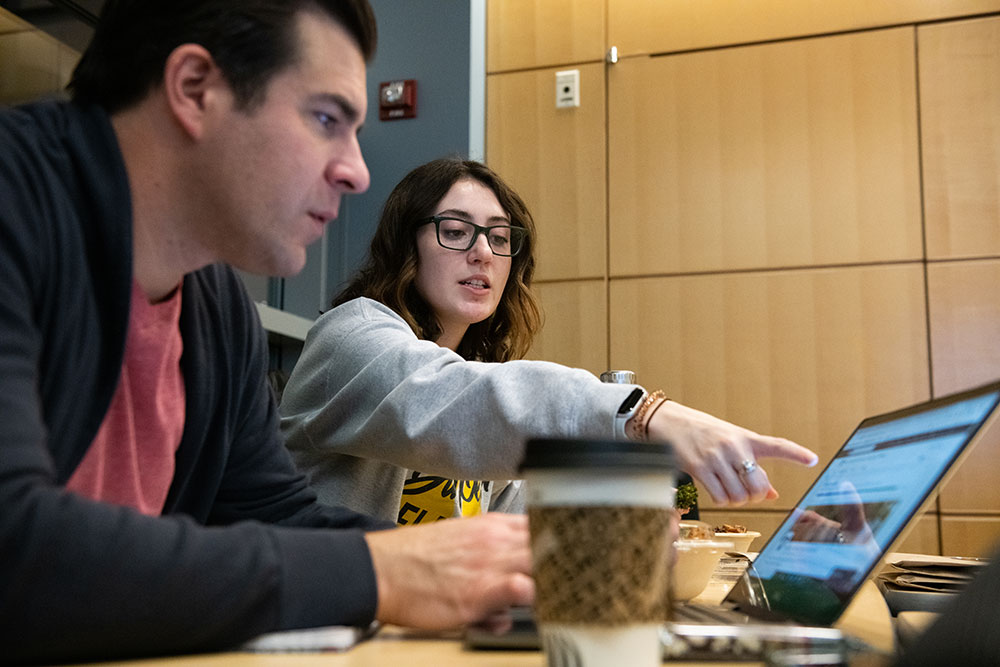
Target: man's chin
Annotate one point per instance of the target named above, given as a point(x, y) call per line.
point(277, 267)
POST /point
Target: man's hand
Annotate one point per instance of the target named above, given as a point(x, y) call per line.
point(714, 452)
point(451, 573)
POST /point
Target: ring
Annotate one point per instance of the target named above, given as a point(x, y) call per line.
point(748, 466)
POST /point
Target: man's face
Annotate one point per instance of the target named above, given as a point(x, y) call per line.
point(274, 175)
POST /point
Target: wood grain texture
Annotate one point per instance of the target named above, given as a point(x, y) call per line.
point(526, 33)
point(801, 354)
point(555, 159)
point(29, 66)
point(964, 302)
point(641, 26)
point(960, 127)
point(575, 329)
point(970, 535)
point(779, 155)
point(12, 23)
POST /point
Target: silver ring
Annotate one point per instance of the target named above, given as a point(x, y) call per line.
point(747, 466)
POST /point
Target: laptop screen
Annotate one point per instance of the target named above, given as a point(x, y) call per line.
point(814, 563)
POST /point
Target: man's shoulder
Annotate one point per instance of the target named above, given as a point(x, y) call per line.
point(60, 161)
point(47, 121)
point(26, 133)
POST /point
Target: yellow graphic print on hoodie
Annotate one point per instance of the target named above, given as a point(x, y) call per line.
point(427, 498)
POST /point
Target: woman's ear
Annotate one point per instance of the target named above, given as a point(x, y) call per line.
point(191, 83)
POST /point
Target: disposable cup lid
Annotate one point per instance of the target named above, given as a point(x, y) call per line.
point(551, 453)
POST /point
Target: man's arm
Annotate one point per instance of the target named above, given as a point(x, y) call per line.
point(82, 579)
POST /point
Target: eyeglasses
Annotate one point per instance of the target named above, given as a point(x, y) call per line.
point(455, 234)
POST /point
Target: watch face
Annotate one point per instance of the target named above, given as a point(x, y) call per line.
point(629, 404)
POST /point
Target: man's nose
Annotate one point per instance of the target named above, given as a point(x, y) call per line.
point(348, 171)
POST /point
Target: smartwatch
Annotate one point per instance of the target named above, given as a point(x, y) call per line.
point(627, 410)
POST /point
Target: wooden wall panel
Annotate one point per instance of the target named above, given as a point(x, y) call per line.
point(29, 66)
point(32, 63)
point(575, 332)
point(767, 257)
point(641, 26)
point(528, 33)
point(11, 22)
point(67, 60)
point(555, 159)
point(802, 354)
point(974, 485)
point(960, 121)
point(775, 155)
point(923, 536)
point(970, 536)
point(964, 300)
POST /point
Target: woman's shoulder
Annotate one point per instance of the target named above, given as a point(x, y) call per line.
point(359, 316)
point(362, 308)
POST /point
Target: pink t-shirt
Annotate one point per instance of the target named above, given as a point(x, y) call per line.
point(131, 461)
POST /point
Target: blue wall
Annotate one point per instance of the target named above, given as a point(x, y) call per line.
point(425, 40)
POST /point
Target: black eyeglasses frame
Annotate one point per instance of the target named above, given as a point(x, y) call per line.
point(518, 233)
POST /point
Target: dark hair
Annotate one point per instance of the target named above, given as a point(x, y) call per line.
point(391, 267)
point(250, 40)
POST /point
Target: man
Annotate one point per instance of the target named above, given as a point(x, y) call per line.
point(148, 503)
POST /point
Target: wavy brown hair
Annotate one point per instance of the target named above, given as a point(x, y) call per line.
point(391, 267)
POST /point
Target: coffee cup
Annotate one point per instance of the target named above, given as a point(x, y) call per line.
point(600, 514)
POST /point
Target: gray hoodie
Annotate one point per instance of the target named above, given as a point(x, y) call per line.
point(369, 404)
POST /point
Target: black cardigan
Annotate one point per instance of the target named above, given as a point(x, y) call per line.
point(236, 552)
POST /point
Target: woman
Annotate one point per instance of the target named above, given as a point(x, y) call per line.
point(409, 392)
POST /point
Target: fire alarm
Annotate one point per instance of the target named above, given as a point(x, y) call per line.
point(397, 99)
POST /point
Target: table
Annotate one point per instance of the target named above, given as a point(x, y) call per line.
point(866, 618)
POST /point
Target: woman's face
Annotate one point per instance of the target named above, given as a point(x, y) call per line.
point(462, 286)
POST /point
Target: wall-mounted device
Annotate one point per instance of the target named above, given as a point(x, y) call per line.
point(397, 99)
point(567, 88)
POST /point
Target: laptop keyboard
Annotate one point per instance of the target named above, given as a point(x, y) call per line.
point(692, 612)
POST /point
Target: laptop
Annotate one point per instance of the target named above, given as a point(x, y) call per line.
point(808, 572)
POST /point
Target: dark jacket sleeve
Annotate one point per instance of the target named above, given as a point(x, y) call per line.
point(242, 548)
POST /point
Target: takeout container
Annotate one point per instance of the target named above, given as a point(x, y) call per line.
point(695, 530)
point(741, 541)
point(694, 563)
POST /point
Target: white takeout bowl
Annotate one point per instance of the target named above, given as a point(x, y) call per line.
point(741, 541)
point(694, 564)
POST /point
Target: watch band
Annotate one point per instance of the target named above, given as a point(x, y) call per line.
point(627, 409)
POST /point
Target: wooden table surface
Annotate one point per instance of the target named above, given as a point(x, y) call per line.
point(867, 618)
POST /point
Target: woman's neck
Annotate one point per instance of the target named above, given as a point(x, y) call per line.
point(451, 337)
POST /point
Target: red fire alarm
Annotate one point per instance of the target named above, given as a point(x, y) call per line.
point(397, 99)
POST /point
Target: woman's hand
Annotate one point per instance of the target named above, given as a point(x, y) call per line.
point(722, 456)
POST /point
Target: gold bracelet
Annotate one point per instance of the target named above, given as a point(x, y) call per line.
point(645, 427)
point(640, 428)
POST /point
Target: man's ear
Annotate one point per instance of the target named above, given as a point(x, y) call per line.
point(191, 82)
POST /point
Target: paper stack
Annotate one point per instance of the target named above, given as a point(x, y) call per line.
point(925, 584)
